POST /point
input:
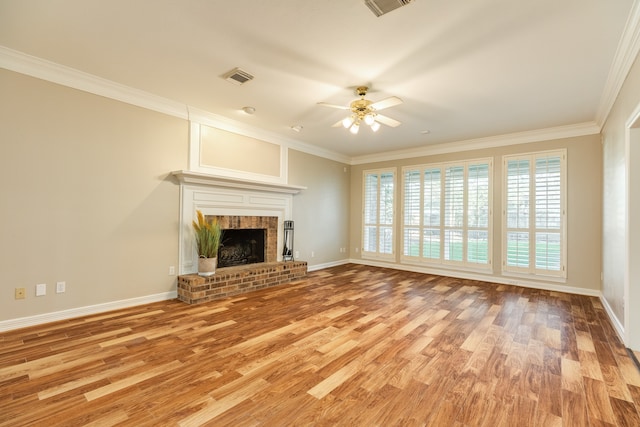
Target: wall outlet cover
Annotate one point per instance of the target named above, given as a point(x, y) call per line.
point(41, 289)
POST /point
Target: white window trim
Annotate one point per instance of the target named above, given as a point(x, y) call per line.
point(377, 255)
point(441, 262)
point(531, 271)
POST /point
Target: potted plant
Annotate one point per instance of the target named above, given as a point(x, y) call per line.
point(208, 237)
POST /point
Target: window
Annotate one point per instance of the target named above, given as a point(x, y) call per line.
point(378, 217)
point(534, 214)
point(446, 213)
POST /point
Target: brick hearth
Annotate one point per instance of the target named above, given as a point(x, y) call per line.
point(230, 281)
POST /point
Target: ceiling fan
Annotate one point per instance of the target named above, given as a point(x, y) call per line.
point(363, 110)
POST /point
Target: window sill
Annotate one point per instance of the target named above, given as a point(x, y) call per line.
point(378, 257)
point(531, 276)
point(481, 269)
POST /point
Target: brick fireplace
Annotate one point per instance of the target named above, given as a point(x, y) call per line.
point(234, 280)
point(236, 204)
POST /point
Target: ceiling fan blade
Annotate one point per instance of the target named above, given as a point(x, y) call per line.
point(340, 107)
point(386, 103)
point(337, 124)
point(387, 121)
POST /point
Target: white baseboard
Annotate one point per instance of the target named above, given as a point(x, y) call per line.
point(39, 319)
point(617, 325)
point(547, 286)
point(315, 267)
point(23, 322)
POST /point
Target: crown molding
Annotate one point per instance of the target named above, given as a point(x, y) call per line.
point(625, 56)
point(318, 151)
point(559, 132)
point(224, 123)
point(50, 71)
point(43, 69)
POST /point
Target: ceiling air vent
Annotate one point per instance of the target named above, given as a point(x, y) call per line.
point(237, 76)
point(380, 7)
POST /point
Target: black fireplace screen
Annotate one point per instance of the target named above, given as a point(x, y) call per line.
point(243, 246)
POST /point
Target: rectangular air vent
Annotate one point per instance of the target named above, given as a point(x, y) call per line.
point(237, 76)
point(380, 7)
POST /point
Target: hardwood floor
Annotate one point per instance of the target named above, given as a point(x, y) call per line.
point(346, 346)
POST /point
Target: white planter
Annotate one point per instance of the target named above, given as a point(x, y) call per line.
point(207, 266)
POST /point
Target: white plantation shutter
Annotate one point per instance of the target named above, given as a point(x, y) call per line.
point(387, 181)
point(378, 213)
point(446, 207)
point(431, 238)
point(478, 214)
point(453, 212)
point(517, 199)
point(548, 208)
point(534, 214)
point(412, 212)
point(370, 234)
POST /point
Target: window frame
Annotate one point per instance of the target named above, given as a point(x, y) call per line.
point(378, 255)
point(442, 227)
point(532, 270)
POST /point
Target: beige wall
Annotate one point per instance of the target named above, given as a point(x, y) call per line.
point(85, 197)
point(584, 163)
point(619, 263)
point(320, 212)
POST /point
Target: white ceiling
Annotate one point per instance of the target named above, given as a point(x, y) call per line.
point(464, 70)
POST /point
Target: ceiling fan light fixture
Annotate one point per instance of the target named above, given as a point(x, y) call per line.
point(369, 119)
point(347, 122)
point(365, 111)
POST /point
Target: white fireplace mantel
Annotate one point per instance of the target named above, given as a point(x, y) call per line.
point(197, 178)
point(218, 195)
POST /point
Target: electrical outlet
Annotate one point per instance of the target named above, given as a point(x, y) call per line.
point(313, 254)
point(41, 289)
point(172, 271)
point(20, 293)
point(61, 287)
point(297, 254)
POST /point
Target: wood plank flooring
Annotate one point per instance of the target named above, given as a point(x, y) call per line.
point(346, 346)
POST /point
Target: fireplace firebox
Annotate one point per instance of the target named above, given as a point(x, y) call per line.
point(241, 246)
point(247, 239)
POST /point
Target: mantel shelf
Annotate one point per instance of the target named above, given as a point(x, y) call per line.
point(197, 178)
